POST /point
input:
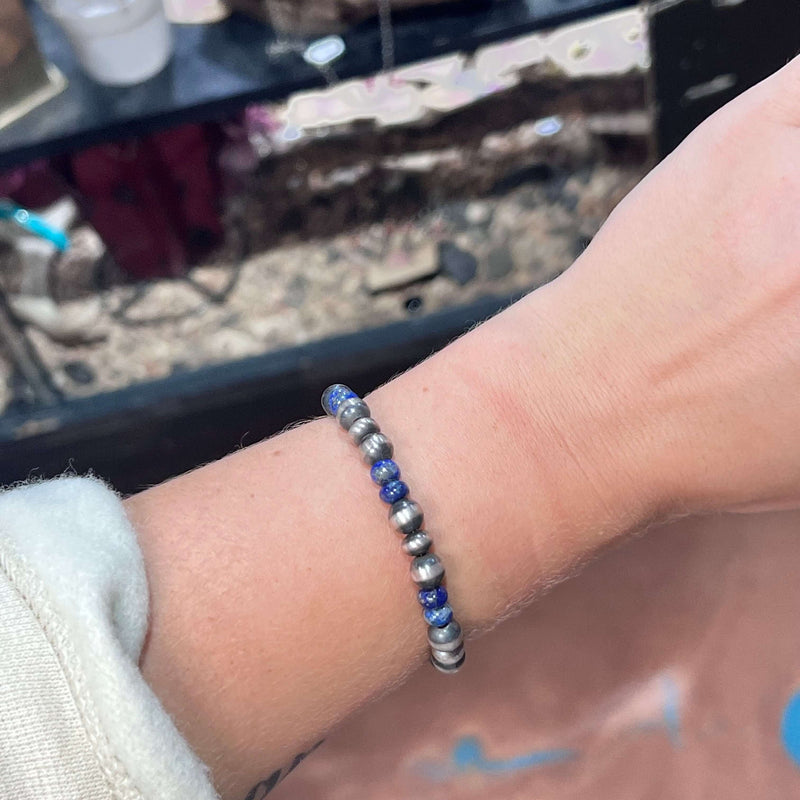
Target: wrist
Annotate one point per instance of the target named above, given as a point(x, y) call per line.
point(529, 459)
point(596, 455)
point(281, 554)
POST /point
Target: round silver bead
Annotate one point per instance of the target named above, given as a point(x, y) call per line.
point(417, 543)
point(376, 447)
point(406, 516)
point(446, 639)
point(448, 669)
point(362, 428)
point(427, 571)
point(350, 410)
point(448, 658)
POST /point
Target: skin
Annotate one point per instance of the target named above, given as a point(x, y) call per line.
point(658, 377)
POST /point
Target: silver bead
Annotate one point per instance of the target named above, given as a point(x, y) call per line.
point(350, 410)
point(376, 447)
point(448, 658)
point(448, 669)
point(446, 639)
point(417, 543)
point(427, 571)
point(362, 428)
point(406, 516)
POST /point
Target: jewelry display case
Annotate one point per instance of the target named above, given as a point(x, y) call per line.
point(368, 215)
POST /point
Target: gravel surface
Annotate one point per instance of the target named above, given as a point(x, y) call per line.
point(437, 226)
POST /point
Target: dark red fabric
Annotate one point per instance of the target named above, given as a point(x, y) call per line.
point(153, 201)
point(33, 186)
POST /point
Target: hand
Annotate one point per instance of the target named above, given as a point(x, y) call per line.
point(688, 306)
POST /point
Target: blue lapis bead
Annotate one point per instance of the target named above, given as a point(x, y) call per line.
point(384, 471)
point(334, 396)
point(438, 617)
point(432, 598)
point(393, 491)
point(338, 397)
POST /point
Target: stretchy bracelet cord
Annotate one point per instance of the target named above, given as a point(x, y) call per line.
point(444, 634)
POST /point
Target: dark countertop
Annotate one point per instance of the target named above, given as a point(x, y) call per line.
point(217, 69)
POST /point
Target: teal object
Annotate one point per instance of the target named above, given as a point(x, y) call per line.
point(33, 224)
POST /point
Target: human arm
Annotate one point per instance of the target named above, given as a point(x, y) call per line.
point(280, 598)
point(655, 377)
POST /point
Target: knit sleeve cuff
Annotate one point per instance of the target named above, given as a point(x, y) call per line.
point(71, 554)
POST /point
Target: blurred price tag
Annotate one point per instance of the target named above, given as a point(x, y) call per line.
point(324, 51)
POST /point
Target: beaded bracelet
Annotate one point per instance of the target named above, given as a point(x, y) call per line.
point(444, 633)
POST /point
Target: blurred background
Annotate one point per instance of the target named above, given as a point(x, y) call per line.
point(210, 210)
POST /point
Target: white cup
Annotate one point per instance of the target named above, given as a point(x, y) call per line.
point(118, 42)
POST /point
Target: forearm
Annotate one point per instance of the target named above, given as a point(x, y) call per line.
point(658, 375)
point(281, 600)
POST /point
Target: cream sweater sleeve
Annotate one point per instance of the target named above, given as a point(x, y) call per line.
point(77, 720)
